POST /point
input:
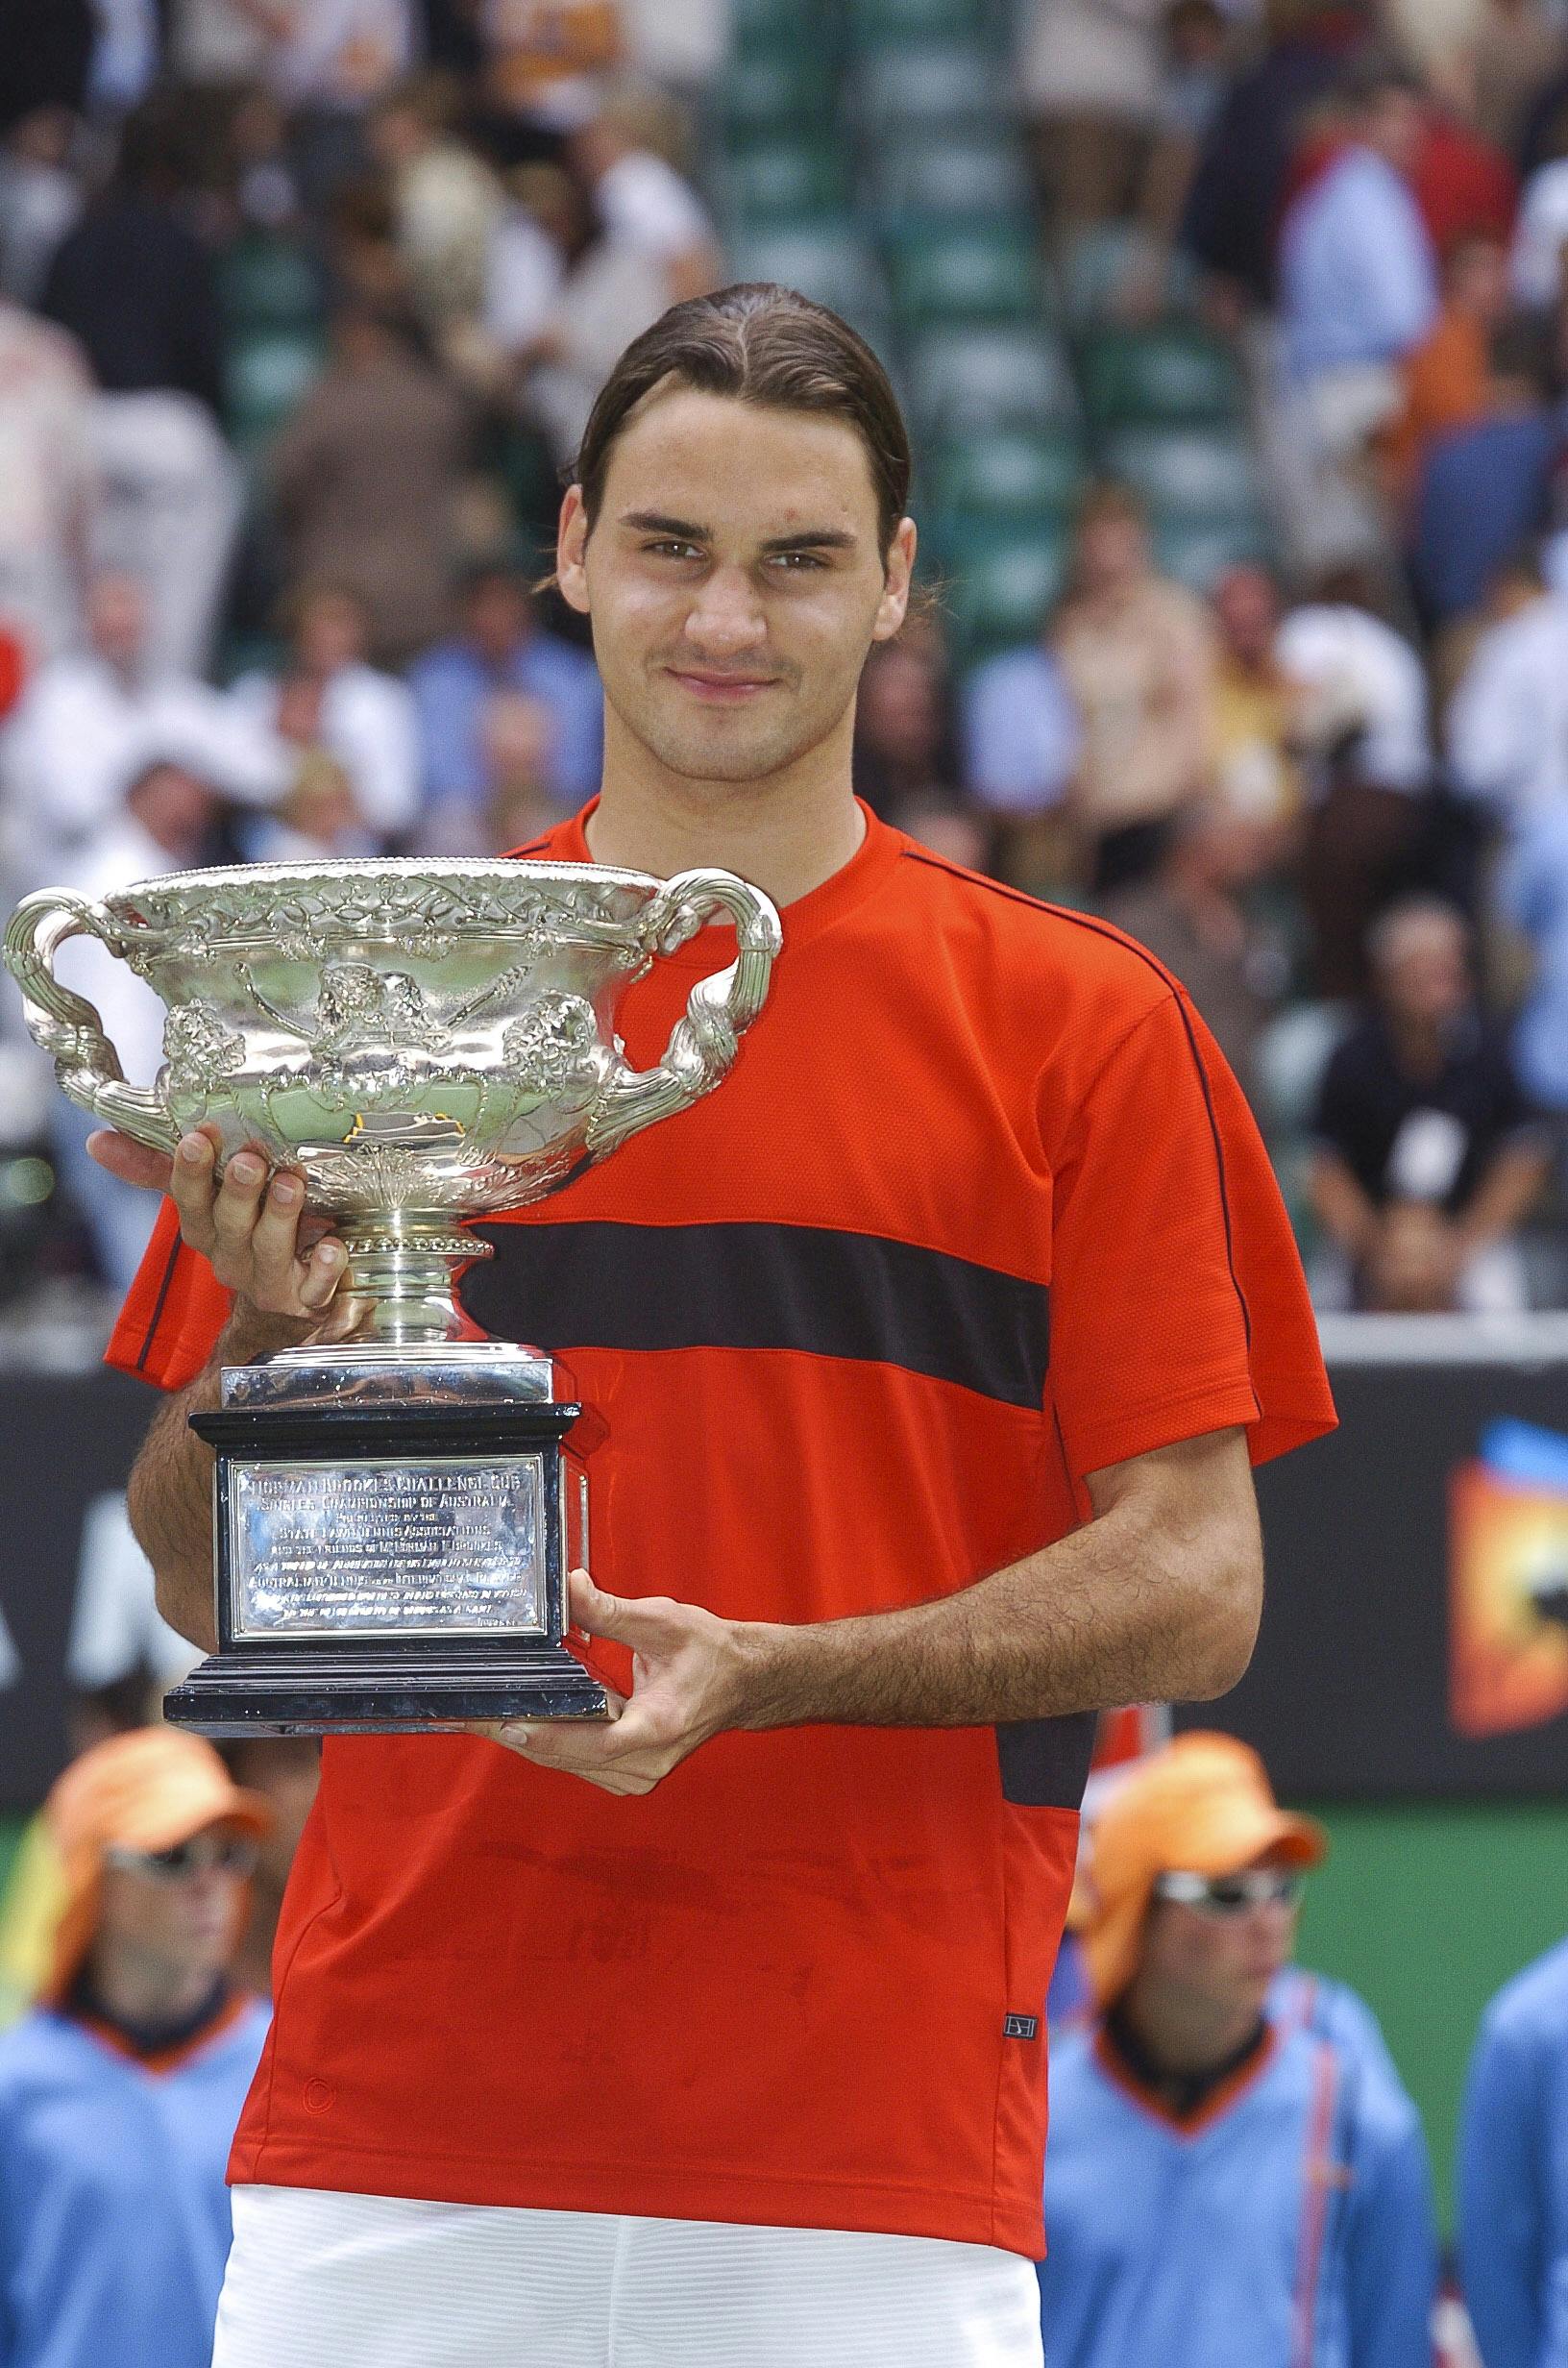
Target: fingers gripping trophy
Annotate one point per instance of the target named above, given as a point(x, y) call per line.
point(396, 1510)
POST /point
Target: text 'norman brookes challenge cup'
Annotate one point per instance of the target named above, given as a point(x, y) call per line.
point(395, 1515)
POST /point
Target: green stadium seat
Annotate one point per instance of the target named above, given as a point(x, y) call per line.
point(998, 585)
point(973, 381)
point(829, 260)
point(778, 181)
point(1016, 475)
point(911, 87)
point(1176, 375)
point(1100, 261)
point(267, 282)
point(768, 24)
point(873, 22)
point(1187, 478)
point(964, 173)
point(777, 92)
point(265, 373)
point(964, 270)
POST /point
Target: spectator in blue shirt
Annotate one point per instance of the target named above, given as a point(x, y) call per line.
point(1021, 735)
point(1483, 489)
point(119, 2093)
point(1230, 2181)
point(1513, 2171)
point(1532, 892)
point(1358, 275)
point(501, 647)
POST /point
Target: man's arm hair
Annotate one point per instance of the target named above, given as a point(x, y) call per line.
point(169, 1494)
point(1156, 1599)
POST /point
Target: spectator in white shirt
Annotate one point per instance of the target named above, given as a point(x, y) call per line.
point(162, 822)
point(329, 699)
point(48, 480)
point(1362, 726)
point(1540, 235)
point(640, 200)
point(1361, 681)
point(679, 44)
point(86, 716)
point(446, 204)
point(1507, 724)
point(41, 198)
point(338, 53)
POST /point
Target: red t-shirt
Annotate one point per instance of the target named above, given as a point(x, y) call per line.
point(979, 1210)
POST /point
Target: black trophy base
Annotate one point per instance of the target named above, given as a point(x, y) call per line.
point(257, 1691)
point(412, 1678)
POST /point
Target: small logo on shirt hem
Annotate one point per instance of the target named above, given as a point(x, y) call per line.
point(1020, 2026)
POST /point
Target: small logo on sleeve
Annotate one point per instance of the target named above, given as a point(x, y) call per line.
point(1020, 2026)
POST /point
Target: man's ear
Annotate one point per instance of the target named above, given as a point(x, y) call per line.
point(571, 550)
point(893, 606)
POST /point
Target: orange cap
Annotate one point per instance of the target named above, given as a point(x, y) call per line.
point(145, 1790)
point(1202, 1805)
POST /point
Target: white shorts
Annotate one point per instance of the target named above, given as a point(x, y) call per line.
point(328, 2281)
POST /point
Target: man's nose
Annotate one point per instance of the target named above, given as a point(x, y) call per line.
point(726, 617)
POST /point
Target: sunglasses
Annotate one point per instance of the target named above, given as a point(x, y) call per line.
point(225, 1854)
point(1257, 1886)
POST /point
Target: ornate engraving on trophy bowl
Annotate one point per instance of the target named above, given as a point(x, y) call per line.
point(425, 1043)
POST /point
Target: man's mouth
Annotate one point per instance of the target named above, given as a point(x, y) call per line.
point(720, 690)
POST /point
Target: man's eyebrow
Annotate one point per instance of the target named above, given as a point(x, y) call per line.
point(812, 538)
point(653, 521)
point(684, 531)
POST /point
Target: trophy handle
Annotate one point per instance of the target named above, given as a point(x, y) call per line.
point(67, 1025)
point(718, 1010)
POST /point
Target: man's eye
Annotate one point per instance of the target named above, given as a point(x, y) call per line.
point(672, 550)
point(797, 562)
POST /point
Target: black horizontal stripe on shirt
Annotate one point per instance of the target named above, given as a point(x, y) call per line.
point(815, 1288)
point(1044, 1763)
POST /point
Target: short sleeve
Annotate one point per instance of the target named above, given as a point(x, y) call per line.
point(173, 1313)
point(1178, 1304)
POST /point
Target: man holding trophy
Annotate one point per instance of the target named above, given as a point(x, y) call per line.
point(676, 1994)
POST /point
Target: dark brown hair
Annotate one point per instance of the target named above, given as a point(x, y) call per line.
point(768, 346)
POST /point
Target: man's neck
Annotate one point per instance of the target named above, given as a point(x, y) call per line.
point(785, 835)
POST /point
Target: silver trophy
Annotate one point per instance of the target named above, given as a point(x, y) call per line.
point(426, 1042)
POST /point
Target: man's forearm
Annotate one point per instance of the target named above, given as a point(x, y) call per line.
point(169, 1495)
point(1116, 1613)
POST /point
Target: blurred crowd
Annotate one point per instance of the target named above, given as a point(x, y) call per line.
point(302, 310)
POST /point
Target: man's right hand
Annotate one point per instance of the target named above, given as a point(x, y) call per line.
point(254, 1231)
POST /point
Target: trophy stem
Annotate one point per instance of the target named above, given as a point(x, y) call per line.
point(405, 1275)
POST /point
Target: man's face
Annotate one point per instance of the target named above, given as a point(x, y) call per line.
point(1424, 977)
point(1112, 550)
point(183, 1926)
point(735, 581)
point(1224, 1963)
point(1247, 608)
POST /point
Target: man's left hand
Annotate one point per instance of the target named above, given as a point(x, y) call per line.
point(688, 1683)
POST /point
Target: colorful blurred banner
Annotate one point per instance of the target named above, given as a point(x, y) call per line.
point(1508, 1582)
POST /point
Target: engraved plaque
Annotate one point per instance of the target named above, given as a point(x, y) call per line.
point(387, 1546)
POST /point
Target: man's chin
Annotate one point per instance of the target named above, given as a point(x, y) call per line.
point(729, 757)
